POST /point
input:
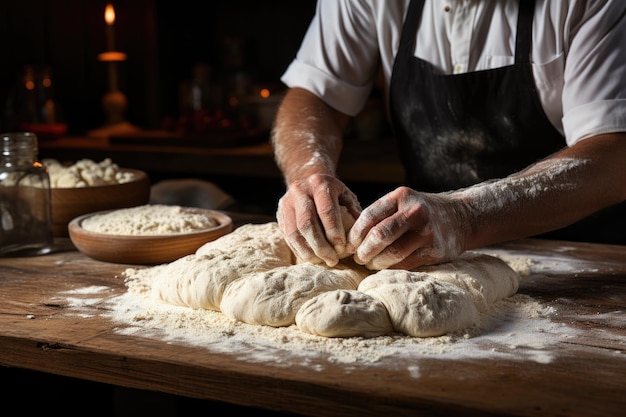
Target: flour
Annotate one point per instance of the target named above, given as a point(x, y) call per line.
point(518, 328)
point(149, 220)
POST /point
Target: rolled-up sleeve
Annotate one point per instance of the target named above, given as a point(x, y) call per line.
point(594, 93)
point(338, 57)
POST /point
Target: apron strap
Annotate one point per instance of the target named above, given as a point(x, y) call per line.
point(409, 29)
point(524, 31)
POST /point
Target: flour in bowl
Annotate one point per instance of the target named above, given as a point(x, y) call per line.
point(150, 220)
point(86, 173)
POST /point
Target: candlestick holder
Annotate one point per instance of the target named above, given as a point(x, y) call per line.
point(114, 102)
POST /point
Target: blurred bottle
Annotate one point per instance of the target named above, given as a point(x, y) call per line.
point(25, 197)
point(237, 80)
point(31, 105)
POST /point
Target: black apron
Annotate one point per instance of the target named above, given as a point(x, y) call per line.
point(454, 131)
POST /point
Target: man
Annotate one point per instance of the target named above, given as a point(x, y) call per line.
point(510, 117)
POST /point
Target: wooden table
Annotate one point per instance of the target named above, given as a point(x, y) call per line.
point(585, 284)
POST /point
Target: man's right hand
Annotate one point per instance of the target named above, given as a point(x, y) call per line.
point(309, 217)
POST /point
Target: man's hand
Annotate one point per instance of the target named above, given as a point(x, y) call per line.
point(405, 229)
point(310, 218)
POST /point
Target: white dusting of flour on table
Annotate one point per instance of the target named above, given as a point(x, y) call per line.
point(517, 328)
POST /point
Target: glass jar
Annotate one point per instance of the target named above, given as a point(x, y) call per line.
point(25, 197)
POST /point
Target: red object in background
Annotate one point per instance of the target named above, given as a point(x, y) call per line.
point(45, 130)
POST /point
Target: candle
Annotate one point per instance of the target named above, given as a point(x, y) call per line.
point(109, 18)
point(112, 76)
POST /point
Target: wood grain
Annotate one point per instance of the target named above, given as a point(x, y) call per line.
point(586, 377)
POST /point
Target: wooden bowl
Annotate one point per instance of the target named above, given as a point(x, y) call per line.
point(69, 203)
point(145, 249)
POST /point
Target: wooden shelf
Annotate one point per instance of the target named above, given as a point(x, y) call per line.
point(361, 161)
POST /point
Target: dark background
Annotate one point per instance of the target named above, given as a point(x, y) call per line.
point(163, 40)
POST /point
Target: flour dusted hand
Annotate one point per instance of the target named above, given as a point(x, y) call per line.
point(405, 229)
point(313, 221)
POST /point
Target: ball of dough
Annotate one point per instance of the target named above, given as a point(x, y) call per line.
point(274, 297)
point(344, 313)
point(266, 238)
point(486, 278)
point(426, 308)
point(199, 281)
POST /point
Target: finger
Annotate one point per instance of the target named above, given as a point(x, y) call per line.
point(391, 233)
point(406, 252)
point(420, 257)
point(311, 229)
point(287, 217)
point(367, 220)
point(329, 213)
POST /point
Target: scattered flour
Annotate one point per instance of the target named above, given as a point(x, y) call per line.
point(517, 328)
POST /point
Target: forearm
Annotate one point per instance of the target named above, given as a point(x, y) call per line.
point(551, 194)
point(307, 136)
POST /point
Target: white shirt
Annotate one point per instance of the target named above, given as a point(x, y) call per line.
point(578, 53)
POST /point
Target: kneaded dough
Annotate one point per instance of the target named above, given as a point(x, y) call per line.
point(486, 278)
point(346, 267)
point(426, 308)
point(251, 275)
point(438, 299)
point(273, 297)
point(344, 313)
point(266, 238)
point(199, 280)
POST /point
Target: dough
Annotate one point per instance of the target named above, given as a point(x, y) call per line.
point(266, 238)
point(437, 299)
point(273, 297)
point(348, 268)
point(426, 308)
point(486, 278)
point(199, 280)
point(251, 275)
point(344, 313)
point(348, 221)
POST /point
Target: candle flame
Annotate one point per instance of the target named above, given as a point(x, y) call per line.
point(109, 14)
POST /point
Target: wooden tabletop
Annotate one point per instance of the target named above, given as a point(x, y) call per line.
point(574, 363)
